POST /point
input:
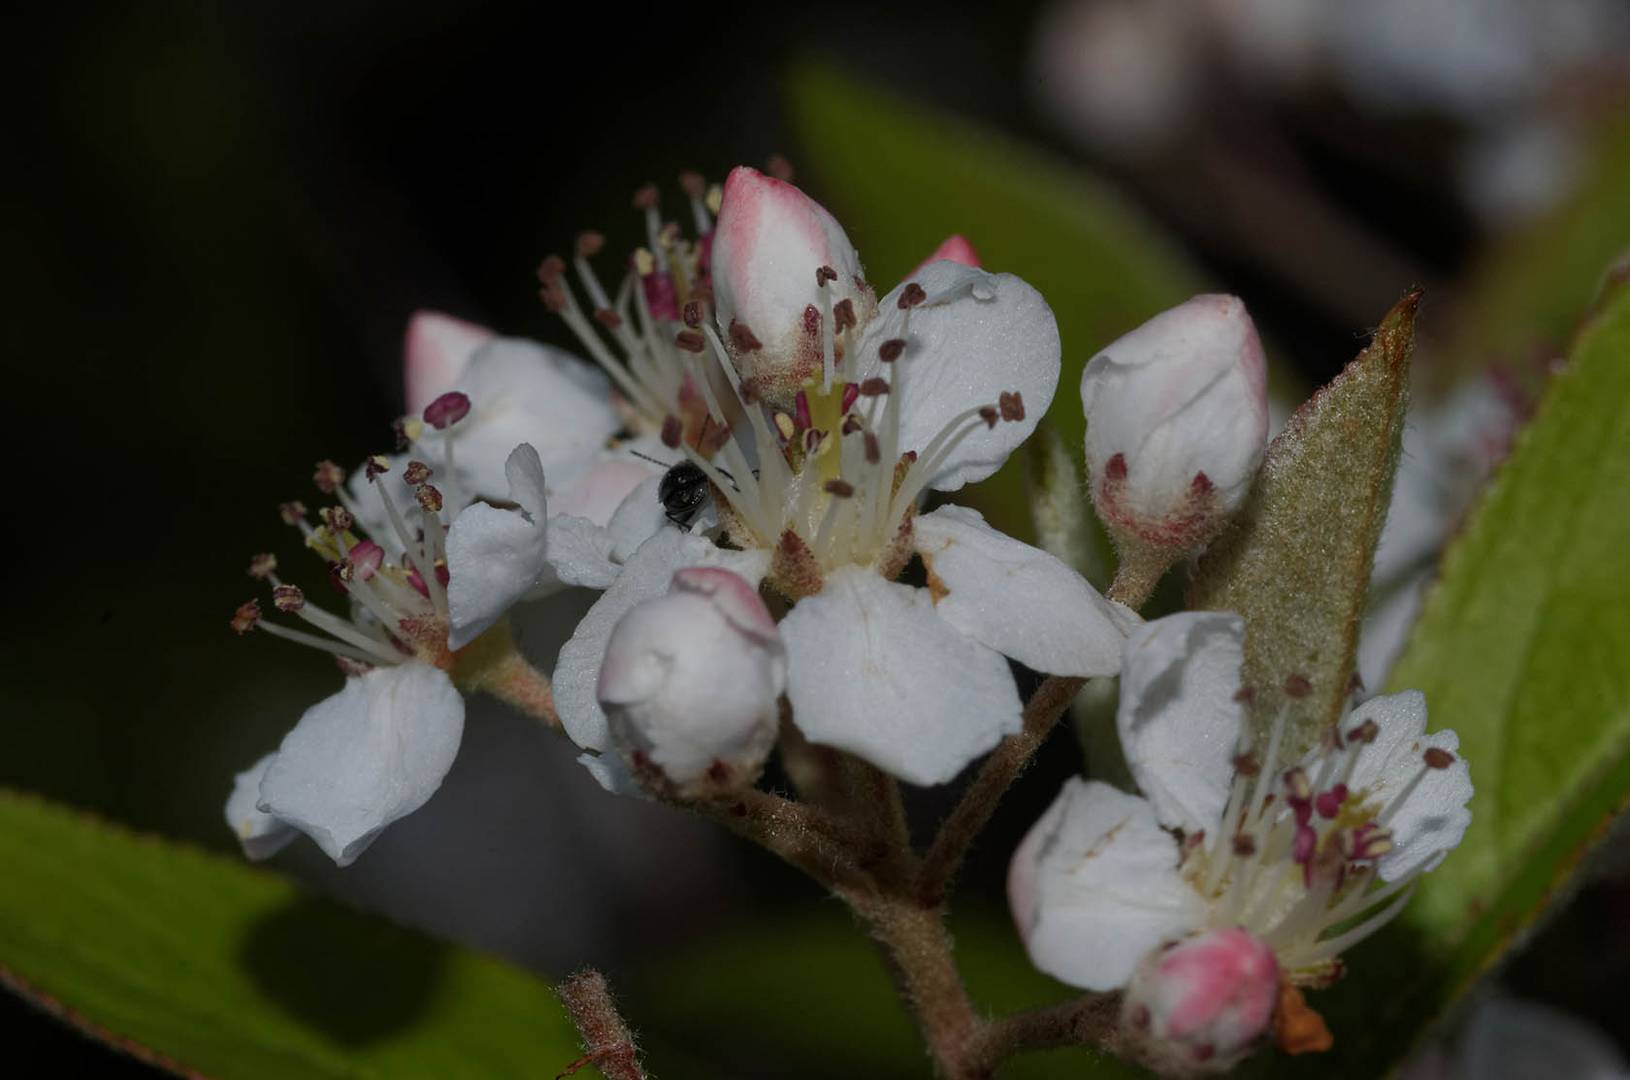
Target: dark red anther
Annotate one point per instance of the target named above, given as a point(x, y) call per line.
point(1011, 403)
point(874, 453)
point(288, 598)
point(693, 314)
point(1365, 732)
point(812, 320)
point(328, 477)
point(672, 431)
point(824, 274)
point(366, 558)
point(377, 465)
point(337, 518)
point(1245, 695)
point(843, 315)
point(742, 339)
point(890, 350)
point(1328, 803)
point(1244, 845)
point(1302, 847)
point(1246, 765)
point(447, 410)
point(851, 424)
point(989, 415)
point(551, 269)
point(1297, 686)
point(263, 566)
point(841, 488)
point(1115, 468)
point(800, 411)
point(874, 387)
point(416, 473)
point(1437, 759)
point(690, 341)
point(911, 296)
point(647, 197)
point(851, 392)
point(245, 618)
point(589, 243)
point(812, 440)
point(429, 498)
point(608, 318)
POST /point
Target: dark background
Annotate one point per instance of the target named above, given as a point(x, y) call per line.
point(220, 217)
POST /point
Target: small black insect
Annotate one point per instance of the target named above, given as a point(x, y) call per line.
point(683, 493)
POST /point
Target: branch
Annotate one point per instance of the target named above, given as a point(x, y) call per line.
point(607, 1043)
point(978, 803)
point(1090, 1020)
point(821, 845)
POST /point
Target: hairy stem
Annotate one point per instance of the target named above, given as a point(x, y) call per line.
point(1086, 1021)
point(608, 1045)
point(973, 812)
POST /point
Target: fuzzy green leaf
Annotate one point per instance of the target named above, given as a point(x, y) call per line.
point(203, 964)
point(1297, 562)
point(902, 177)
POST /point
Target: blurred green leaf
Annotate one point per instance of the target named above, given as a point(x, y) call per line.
point(205, 964)
point(902, 177)
point(806, 997)
point(1524, 650)
point(1523, 295)
point(1297, 562)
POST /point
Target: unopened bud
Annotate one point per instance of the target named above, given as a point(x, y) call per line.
point(691, 681)
point(777, 254)
point(1177, 422)
point(1202, 1004)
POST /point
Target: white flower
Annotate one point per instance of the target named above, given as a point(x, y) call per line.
point(1225, 837)
point(1177, 422)
point(1205, 1002)
point(379, 748)
point(691, 680)
point(818, 499)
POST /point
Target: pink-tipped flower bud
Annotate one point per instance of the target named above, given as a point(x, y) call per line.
point(1201, 1005)
point(1177, 422)
point(435, 352)
point(691, 683)
point(770, 243)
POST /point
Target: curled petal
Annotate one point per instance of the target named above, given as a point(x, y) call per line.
point(365, 757)
point(495, 557)
point(976, 337)
point(261, 834)
point(1432, 816)
point(1017, 599)
point(954, 248)
point(869, 666)
point(1179, 720)
point(1094, 887)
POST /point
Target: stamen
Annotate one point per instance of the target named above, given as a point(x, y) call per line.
point(447, 410)
point(246, 618)
point(263, 566)
point(328, 477)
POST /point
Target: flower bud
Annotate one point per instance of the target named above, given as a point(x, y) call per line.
point(770, 242)
point(1177, 421)
point(435, 353)
point(691, 682)
point(1203, 1003)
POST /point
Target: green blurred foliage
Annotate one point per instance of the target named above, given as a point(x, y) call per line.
point(232, 972)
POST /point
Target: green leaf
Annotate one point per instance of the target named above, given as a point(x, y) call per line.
point(901, 177)
point(1522, 650)
point(806, 997)
point(1297, 562)
point(1525, 291)
point(203, 963)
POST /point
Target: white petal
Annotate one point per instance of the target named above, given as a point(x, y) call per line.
point(365, 757)
point(600, 490)
point(645, 576)
point(1017, 599)
point(1433, 817)
point(495, 557)
point(874, 670)
point(521, 392)
point(611, 773)
point(978, 335)
point(261, 834)
point(1178, 719)
point(1094, 887)
point(580, 552)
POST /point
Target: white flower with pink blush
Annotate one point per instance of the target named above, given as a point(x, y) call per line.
point(1309, 856)
point(691, 682)
point(379, 748)
point(1177, 423)
point(817, 496)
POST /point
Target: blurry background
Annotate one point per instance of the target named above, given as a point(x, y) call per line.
point(222, 215)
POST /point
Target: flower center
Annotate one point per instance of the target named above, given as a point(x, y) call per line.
point(1295, 860)
point(398, 602)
